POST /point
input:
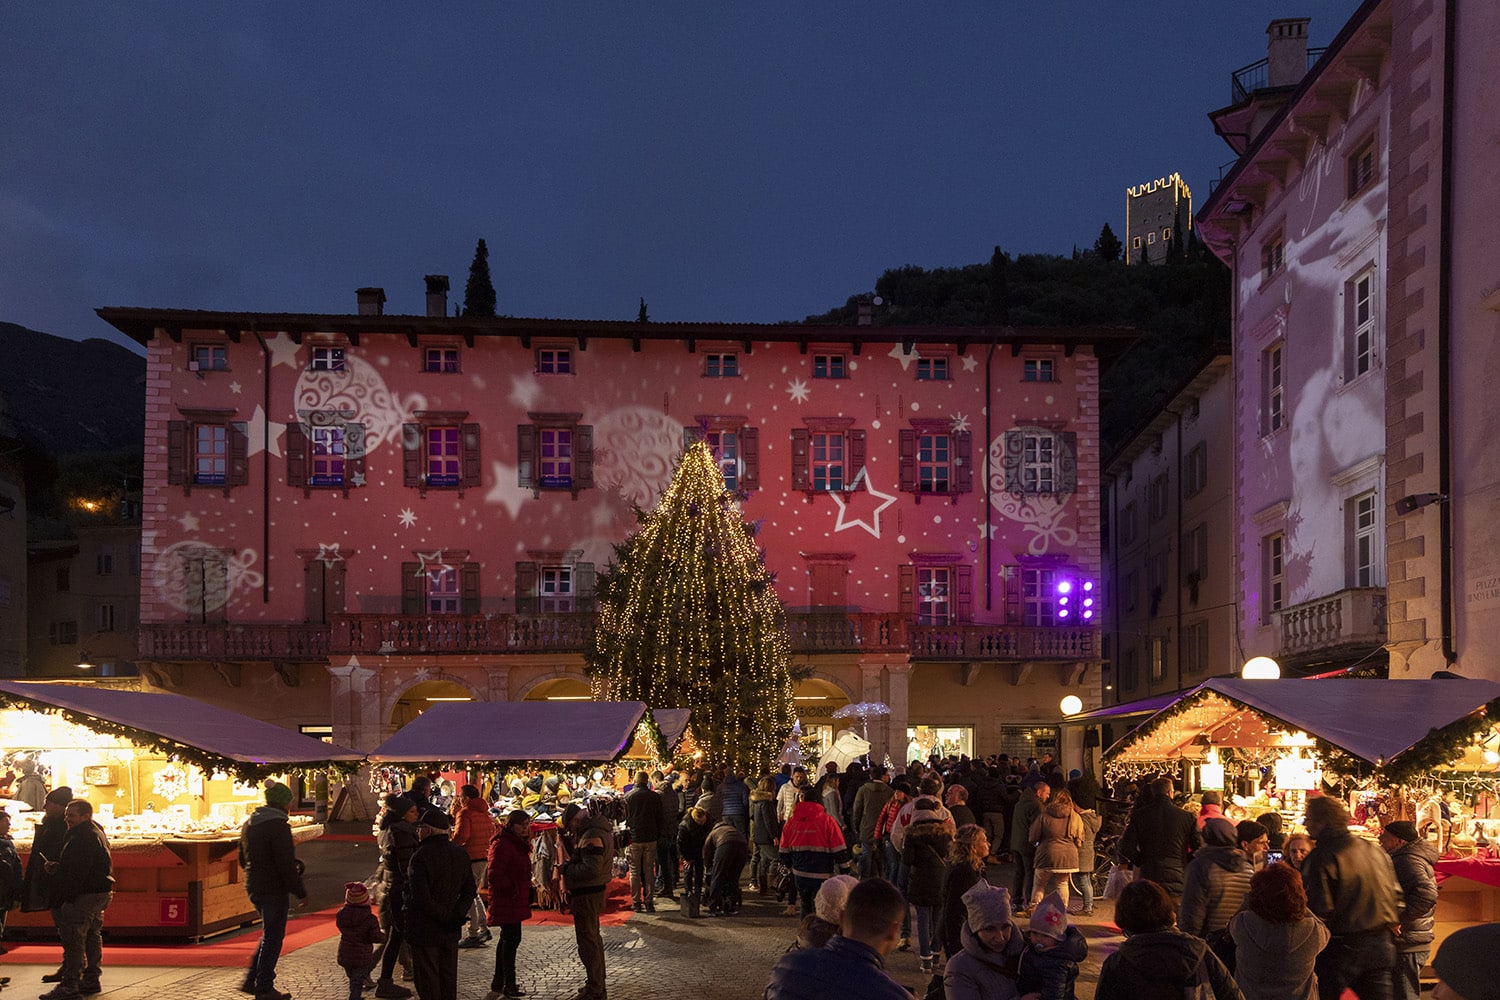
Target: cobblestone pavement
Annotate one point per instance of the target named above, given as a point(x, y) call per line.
point(650, 957)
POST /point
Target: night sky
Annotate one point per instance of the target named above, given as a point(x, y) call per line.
point(748, 163)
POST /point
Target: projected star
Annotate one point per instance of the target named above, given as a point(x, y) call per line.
point(798, 390)
point(900, 355)
point(865, 501)
point(328, 554)
point(958, 422)
point(408, 517)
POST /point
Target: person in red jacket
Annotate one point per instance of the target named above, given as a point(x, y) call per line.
point(510, 897)
point(473, 832)
point(812, 846)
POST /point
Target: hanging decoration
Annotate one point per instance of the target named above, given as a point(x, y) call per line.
point(170, 782)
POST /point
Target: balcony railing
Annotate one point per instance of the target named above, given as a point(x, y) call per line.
point(233, 641)
point(1248, 79)
point(1350, 618)
point(370, 634)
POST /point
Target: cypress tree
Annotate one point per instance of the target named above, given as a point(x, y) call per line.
point(1108, 245)
point(479, 292)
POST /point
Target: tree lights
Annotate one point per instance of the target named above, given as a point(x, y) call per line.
point(688, 618)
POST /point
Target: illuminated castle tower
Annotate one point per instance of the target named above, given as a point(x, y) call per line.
point(1154, 211)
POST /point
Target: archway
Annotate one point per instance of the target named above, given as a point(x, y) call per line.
point(815, 699)
point(559, 689)
point(420, 696)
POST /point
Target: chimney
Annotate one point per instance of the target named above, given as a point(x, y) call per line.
point(1286, 51)
point(437, 295)
point(371, 301)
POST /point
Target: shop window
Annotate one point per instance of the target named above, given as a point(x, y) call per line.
point(1038, 370)
point(923, 742)
point(555, 583)
point(1361, 167)
point(556, 453)
point(327, 359)
point(209, 358)
point(1363, 538)
point(1027, 742)
point(827, 455)
point(1273, 575)
point(208, 448)
point(63, 633)
point(735, 446)
point(1359, 296)
point(440, 451)
point(1039, 461)
point(554, 361)
point(1273, 389)
point(721, 365)
point(324, 451)
point(443, 360)
point(934, 458)
point(433, 587)
point(933, 370)
point(937, 589)
point(1195, 470)
point(829, 366)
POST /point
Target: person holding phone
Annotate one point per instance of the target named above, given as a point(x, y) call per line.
point(46, 845)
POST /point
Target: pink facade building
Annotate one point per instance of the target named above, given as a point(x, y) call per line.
point(346, 516)
point(1365, 321)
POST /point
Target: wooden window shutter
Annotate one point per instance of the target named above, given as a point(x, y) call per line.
point(411, 454)
point(801, 474)
point(856, 458)
point(583, 457)
point(907, 463)
point(296, 454)
point(583, 584)
point(906, 582)
point(964, 575)
point(177, 452)
point(963, 463)
point(469, 438)
point(1067, 462)
point(1012, 586)
point(312, 591)
point(238, 434)
point(468, 581)
point(333, 589)
point(354, 457)
point(527, 576)
point(827, 584)
point(525, 454)
point(749, 458)
point(1015, 446)
point(412, 588)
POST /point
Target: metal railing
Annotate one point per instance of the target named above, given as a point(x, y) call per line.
point(1245, 81)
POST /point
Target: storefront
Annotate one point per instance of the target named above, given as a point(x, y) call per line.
point(171, 781)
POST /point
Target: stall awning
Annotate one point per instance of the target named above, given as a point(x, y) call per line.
point(673, 723)
point(1145, 706)
point(1376, 720)
point(145, 717)
point(515, 731)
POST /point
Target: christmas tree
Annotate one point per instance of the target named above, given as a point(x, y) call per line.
point(689, 618)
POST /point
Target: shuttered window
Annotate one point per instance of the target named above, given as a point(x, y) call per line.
point(323, 451)
point(934, 458)
point(936, 589)
point(555, 452)
point(735, 447)
point(441, 451)
point(827, 455)
point(1039, 461)
point(208, 448)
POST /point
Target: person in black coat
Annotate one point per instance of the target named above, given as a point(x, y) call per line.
point(1159, 839)
point(691, 836)
point(79, 890)
point(271, 879)
point(440, 889)
point(10, 873)
point(45, 846)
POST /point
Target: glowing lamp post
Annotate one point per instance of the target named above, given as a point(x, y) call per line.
point(1260, 668)
point(1071, 705)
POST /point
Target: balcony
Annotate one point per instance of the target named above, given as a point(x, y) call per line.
point(1247, 80)
point(234, 641)
point(812, 633)
point(1350, 620)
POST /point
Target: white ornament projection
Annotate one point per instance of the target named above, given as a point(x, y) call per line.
point(195, 577)
point(358, 394)
point(635, 451)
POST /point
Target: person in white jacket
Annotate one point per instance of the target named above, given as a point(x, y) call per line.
point(787, 797)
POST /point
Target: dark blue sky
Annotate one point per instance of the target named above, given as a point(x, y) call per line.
point(729, 163)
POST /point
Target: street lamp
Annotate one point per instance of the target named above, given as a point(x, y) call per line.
point(1071, 705)
point(85, 662)
point(1260, 668)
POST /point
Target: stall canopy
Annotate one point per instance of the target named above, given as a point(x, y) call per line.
point(673, 723)
point(1146, 706)
point(150, 719)
point(515, 732)
point(1374, 720)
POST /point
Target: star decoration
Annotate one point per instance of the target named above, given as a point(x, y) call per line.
point(357, 479)
point(259, 441)
point(235, 388)
point(408, 517)
point(428, 562)
point(798, 390)
point(970, 362)
point(900, 355)
point(988, 531)
point(506, 493)
point(283, 350)
point(189, 522)
point(958, 422)
point(329, 554)
point(851, 498)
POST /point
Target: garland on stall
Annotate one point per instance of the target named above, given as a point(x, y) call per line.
point(208, 763)
point(1440, 747)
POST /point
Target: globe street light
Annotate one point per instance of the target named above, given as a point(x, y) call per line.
point(1071, 705)
point(1260, 668)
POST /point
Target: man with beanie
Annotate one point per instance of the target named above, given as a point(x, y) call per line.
point(1465, 964)
point(80, 889)
point(851, 966)
point(440, 889)
point(1351, 887)
point(45, 846)
point(643, 820)
point(271, 879)
point(586, 875)
point(1413, 858)
point(986, 964)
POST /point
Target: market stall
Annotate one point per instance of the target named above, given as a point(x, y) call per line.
point(170, 779)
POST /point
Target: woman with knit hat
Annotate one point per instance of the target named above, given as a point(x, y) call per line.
point(985, 968)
